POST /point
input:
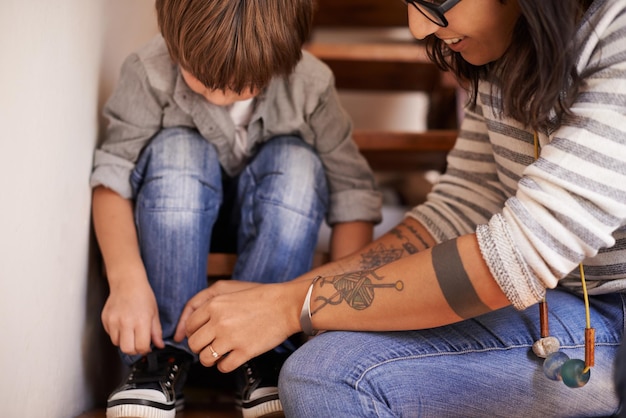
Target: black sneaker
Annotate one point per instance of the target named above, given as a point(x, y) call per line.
point(257, 386)
point(154, 386)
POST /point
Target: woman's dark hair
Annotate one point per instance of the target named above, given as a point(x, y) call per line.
point(537, 72)
point(235, 44)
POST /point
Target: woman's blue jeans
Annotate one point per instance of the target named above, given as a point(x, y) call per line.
point(278, 203)
point(482, 367)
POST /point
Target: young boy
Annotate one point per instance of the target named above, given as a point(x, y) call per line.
point(222, 135)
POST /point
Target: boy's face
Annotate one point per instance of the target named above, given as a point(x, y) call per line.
point(217, 97)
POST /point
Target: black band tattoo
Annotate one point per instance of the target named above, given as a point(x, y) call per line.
point(454, 281)
point(356, 289)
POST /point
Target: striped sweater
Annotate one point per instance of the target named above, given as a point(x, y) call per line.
point(536, 220)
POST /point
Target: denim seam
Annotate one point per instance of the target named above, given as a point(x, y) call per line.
point(357, 382)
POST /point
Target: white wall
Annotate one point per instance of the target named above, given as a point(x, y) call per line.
point(58, 61)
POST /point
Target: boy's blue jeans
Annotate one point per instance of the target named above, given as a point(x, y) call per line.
point(279, 201)
point(482, 367)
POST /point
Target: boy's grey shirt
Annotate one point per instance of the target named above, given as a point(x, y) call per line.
point(151, 95)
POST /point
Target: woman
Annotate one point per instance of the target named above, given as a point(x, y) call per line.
point(535, 186)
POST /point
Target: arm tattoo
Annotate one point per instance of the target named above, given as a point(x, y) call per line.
point(356, 289)
point(396, 231)
point(418, 236)
point(408, 246)
point(379, 256)
point(454, 281)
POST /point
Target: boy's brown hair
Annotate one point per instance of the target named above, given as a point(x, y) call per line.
point(235, 44)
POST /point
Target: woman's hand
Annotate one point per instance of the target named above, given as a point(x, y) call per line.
point(240, 325)
point(218, 288)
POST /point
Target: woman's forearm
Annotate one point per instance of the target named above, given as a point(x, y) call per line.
point(406, 238)
point(453, 284)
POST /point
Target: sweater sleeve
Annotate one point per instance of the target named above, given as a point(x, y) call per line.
point(572, 200)
point(535, 221)
point(469, 192)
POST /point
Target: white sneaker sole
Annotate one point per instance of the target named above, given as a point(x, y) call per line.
point(138, 410)
point(269, 409)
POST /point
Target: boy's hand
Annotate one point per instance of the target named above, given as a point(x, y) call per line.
point(218, 288)
point(131, 317)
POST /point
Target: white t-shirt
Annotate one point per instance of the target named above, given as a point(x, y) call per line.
point(241, 112)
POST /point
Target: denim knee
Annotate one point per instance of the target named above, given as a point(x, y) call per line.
point(287, 172)
point(178, 170)
point(284, 198)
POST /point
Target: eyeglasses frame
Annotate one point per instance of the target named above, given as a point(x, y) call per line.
point(437, 10)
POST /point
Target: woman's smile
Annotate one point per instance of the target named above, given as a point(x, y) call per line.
point(481, 39)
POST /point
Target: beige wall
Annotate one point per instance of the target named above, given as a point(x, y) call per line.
point(58, 61)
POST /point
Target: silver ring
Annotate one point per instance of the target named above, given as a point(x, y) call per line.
point(213, 352)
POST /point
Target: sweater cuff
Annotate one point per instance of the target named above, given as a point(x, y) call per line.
point(521, 287)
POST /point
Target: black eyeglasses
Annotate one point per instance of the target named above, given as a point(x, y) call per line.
point(433, 12)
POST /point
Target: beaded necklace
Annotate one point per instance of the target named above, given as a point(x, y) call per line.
point(557, 365)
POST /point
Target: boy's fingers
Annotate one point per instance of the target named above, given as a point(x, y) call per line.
point(157, 333)
point(142, 340)
point(115, 337)
point(127, 342)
